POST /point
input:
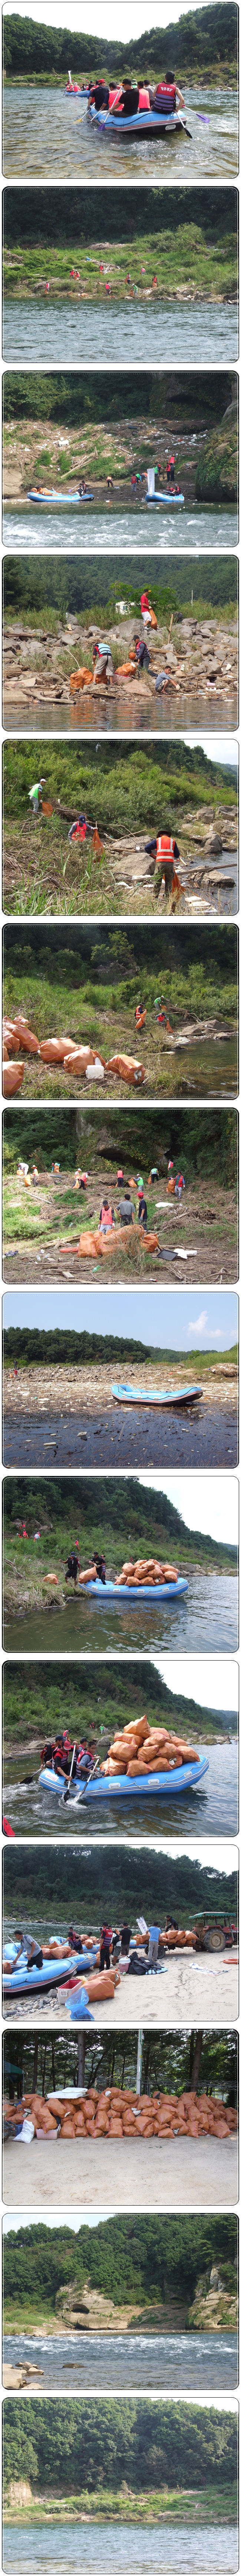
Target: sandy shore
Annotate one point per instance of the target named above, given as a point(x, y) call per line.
point(206, 1989)
point(107, 2174)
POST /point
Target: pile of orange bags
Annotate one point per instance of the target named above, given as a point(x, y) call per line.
point(144, 1748)
point(113, 2115)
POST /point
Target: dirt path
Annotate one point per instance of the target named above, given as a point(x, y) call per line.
point(199, 2174)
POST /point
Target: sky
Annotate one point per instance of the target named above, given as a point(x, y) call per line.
point(173, 1319)
point(217, 747)
point(129, 21)
point(213, 1684)
point(207, 1503)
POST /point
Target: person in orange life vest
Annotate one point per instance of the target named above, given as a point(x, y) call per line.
point(165, 850)
point(106, 1216)
point(171, 469)
point(78, 830)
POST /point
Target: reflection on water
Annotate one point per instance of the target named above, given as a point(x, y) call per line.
point(196, 1436)
point(123, 2549)
point(127, 2361)
point(212, 1808)
point(210, 1067)
point(202, 1621)
point(45, 133)
point(155, 715)
point(141, 333)
point(111, 527)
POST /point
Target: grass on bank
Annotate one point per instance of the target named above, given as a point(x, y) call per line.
point(180, 258)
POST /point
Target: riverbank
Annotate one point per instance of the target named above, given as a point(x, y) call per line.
point(106, 2503)
point(95, 452)
point(199, 657)
point(41, 1224)
point(64, 1388)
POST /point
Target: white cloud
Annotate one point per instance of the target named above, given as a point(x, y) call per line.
point(199, 1325)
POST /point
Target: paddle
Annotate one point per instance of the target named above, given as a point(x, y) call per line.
point(67, 1791)
point(82, 1792)
point(109, 110)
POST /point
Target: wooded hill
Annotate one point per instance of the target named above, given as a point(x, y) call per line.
point(60, 2444)
point(202, 1141)
point(202, 42)
point(97, 1697)
point(40, 1349)
point(130, 784)
point(122, 1511)
point(69, 1885)
point(119, 396)
point(73, 215)
point(44, 585)
point(140, 2258)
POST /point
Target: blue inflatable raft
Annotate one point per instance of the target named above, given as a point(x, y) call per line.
point(74, 497)
point(145, 122)
point(36, 1979)
point(138, 1395)
point(164, 1784)
point(153, 500)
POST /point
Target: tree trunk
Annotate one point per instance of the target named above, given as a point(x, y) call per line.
point(35, 2062)
point(44, 2065)
point(81, 2057)
point(196, 2060)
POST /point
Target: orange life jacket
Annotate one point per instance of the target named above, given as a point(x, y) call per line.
point(106, 1216)
point(165, 846)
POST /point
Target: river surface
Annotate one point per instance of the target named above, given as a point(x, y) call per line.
point(154, 715)
point(200, 1435)
point(106, 527)
point(36, 331)
point(123, 2549)
point(127, 2360)
point(211, 1809)
point(200, 1621)
point(47, 135)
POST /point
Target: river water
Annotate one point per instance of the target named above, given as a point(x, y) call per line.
point(35, 330)
point(131, 2361)
point(146, 715)
point(121, 2549)
point(211, 1809)
point(198, 1436)
point(200, 1621)
point(106, 527)
point(46, 134)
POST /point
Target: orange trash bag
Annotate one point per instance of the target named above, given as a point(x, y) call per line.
point(97, 845)
point(128, 1067)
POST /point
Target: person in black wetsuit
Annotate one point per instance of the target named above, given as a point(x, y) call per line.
point(142, 1212)
point(128, 102)
point(99, 96)
point(99, 1561)
point(141, 653)
point(72, 1567)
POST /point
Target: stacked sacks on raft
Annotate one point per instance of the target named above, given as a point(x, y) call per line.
point(141, 1748)
point(120, 2113)
point(146, 1569)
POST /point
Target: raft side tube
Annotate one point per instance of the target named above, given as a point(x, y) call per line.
point(165, 1783)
